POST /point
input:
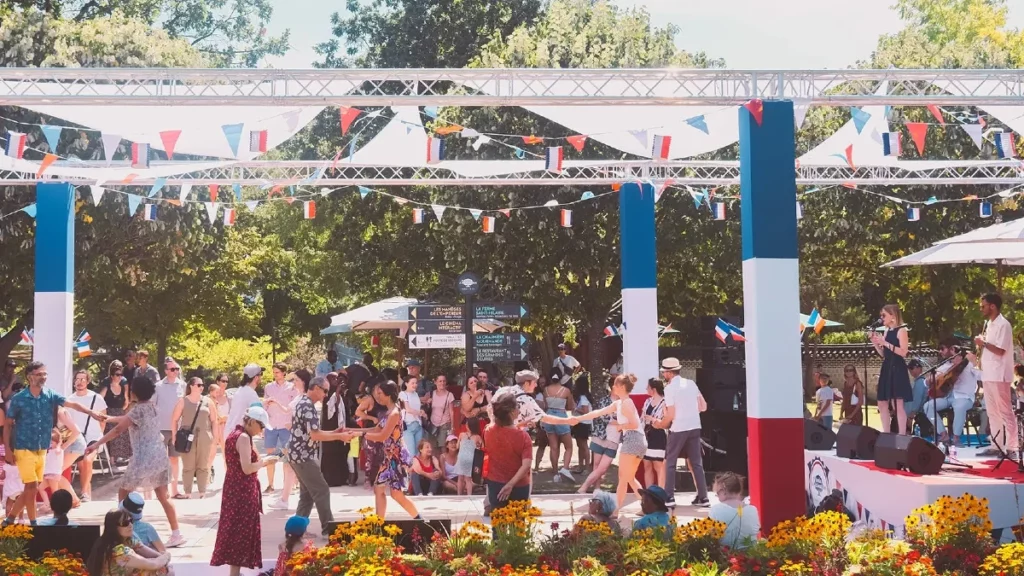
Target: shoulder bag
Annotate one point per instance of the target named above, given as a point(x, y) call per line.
point(184, 438)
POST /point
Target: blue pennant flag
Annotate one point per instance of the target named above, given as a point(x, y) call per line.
point(860, 118)
point(233, 132)
point(158, 185)
point(363, 191)
point(52, 134)
point(133, 204)
point(699, 122)
point(430, 111)
point(238, 192)
point(520, 153)
point(587, 195)
point(30, 210)
point(698, 199)
point(476, 213)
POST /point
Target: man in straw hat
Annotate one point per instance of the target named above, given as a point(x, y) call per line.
point(683, 405)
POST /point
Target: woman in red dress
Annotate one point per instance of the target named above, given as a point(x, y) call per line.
point(238, 534)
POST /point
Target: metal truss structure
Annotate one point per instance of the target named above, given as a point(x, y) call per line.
point(304, 173)
point(500, 87)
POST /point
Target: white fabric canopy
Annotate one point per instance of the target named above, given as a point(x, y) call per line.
point(1012, 231)
point(390, 314)
point(1012, 116)
point(990, 252)
point(867, 144)
point(110, 175)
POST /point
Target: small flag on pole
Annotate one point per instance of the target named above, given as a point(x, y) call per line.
point(417, 215)
point(487, 224)
point(149, 212)
point(84, 336)
point(258, 141)
point(611, 330)
point(553, 159)
point(722, 330)
point(985, 209)
point(719, 210)
point(28, 336)
point(83, 349)
point(435, 150)
point(799, 211)
point(309, 209)
point(1005, 145)
point(566, 218)
point(662, 145)
point(737, 334)
point(16, 145)
point(891, 144)
point(140, 155)
point(229, 216)
point(913, 214)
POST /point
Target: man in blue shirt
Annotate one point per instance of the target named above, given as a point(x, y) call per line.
point(332, 364)
point(144, 532)
point(653, 503)
point(31, 417)
point(920, 389)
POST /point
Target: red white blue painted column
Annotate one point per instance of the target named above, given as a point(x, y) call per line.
point(639, 283)
point(55, 282)
point(771, 308)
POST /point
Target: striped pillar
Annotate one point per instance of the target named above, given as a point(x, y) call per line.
point(771, 306)
point(639, 282)
point(55, 282)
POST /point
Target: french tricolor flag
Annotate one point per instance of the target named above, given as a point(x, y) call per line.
point(258, 141)
point(985, 210)
point(435, 150)
point(487, 224)
point(721, 330)
point(417, 215)
point(719, 210)
point(662, 144)
point(611, 330)
point(140, 155)
point(913, 214)
point(16, 145)
point(891, 144)
point(553, 159)
point(229, 216)
point(309, 209)
point(149, 212)
point(566, 218)
point(1005, 143)
point(28, 336)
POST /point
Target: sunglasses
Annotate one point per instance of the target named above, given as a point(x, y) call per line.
point(198, 385)
point(125, 523)
point(174, 369)
point(224, 381)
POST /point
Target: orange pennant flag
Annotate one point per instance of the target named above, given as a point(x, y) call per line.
point(937, 113)
point(971, 197)
point(47, 160)
point(348, 115)
point(850, 185)
point(918, 132)
point(129, 178)
point(170, 140)
point(849, 156)
point(577, 141)
point(214, 188)
point(446, 130)
point(289, 199)
point(616, 187)
point(756, 108)
point(532, 140)
point(173, 201)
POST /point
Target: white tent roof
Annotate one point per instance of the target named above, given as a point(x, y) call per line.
point(985, 252)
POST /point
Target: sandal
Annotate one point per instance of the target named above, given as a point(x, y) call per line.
point(180, 497)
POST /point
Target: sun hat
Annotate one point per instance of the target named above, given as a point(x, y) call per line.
point(133, 504)
point(296, 526)
point(671, 364)
point(607, 500)
point(525, 376)
point(260, 415)
point(657, 493)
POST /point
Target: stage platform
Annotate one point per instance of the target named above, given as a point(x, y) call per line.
point(883, 498)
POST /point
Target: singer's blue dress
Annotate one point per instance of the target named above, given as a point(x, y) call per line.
point(894, 379)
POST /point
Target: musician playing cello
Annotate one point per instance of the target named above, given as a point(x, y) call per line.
point(954, 385)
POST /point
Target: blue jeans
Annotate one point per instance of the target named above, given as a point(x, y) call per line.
point(421, 485)
point(826, 420)
point(960, 407)
point(412, 436)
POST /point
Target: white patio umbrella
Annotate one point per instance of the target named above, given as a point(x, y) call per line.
point(389, 314)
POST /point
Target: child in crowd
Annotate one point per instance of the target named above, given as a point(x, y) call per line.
point(133, 504)
point(742, 522)
point(824, 397)
point(53, 468)
point(470, 441)
point(294, 533)
point(60, 502)
point(654, 505)
point(12, 487)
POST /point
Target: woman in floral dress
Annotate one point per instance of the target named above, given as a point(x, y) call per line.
point(238, 534)
point(112, 555)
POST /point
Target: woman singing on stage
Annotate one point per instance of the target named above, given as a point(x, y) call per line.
point(893, 380)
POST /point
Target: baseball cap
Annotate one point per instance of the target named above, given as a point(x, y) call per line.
point(913, 363)
point(562, 347)
point(450, 438)
point(413, 362)
point(296, 526)
point(252, 370)
point(260, 415)
point(525, 376)
point(657, 493)
point(133, 504)
point(607, 500)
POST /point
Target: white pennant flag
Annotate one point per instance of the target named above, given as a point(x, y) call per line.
point(110, 144)
point(438, 210)
point(252, 204)
point(292, 119)
point(481, 141)
point(469, 133)
point(97, 194)
point(800, 108)
point(183, 194)
point(211, 211)
point(641, 137)
point(974, 131)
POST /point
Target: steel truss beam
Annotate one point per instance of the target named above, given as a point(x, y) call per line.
point(302, 173)
point(501, 87)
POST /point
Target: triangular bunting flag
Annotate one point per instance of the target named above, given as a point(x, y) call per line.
point(158, 185)
point(860, 118)
point(577, 141)
point(483, 139)
point(532, 140)
point(237, 188)
point(52, 134)
point(476, 213)
point(97, 194)
point(133, 204)
point(641, 137)
point(292, 120)
point(849, 156)
point(587, 195)
point(47, 160)
point(800, 108)
point(211, 211)
point(699, 122)
point(233, 133)
point(937, 113)
point(110, 144)
point(698, 198)
point(347, 116)
point(363, 191)
point(506, 212)
point(449, 129)
point(183, 193)
point(170, 140)
point(430, 111)
point(30, 210)
point(252, 204)
point(438, 210)
point(756, 109)
point(469, 133)
point(975, 132)
point(918, 133)
point(214, 190)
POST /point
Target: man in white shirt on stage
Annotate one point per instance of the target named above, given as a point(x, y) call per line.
point(997, 375)
point(960, 398)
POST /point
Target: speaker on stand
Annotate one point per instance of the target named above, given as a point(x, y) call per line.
point(722, 380)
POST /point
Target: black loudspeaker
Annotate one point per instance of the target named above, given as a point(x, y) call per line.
point(74, 539)
point(724, 387)
point(898, 452)
point(856, 442)
point(724, 438)
point(416, 534)
point(817, 436)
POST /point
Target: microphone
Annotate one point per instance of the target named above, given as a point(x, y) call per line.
point(876, 324)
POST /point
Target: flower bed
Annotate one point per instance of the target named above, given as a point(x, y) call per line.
point(949, 537)
point(13, 543)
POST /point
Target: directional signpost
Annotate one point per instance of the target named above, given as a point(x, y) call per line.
point(437, 312)
point(438, 327)
point(436, 341)
point(499, 310)
point(508, 347)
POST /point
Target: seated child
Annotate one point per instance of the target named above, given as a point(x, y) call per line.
point(143, 531)
point(653, 503)
point(742, 522)
point(60, 502)
point(294, 532)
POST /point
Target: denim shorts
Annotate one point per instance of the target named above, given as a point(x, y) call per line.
point(77, 447)
point(602, 451)
point(276, 439)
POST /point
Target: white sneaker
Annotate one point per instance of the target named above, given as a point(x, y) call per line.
point(175, 541)
point(280, 505)
point(565, 472)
